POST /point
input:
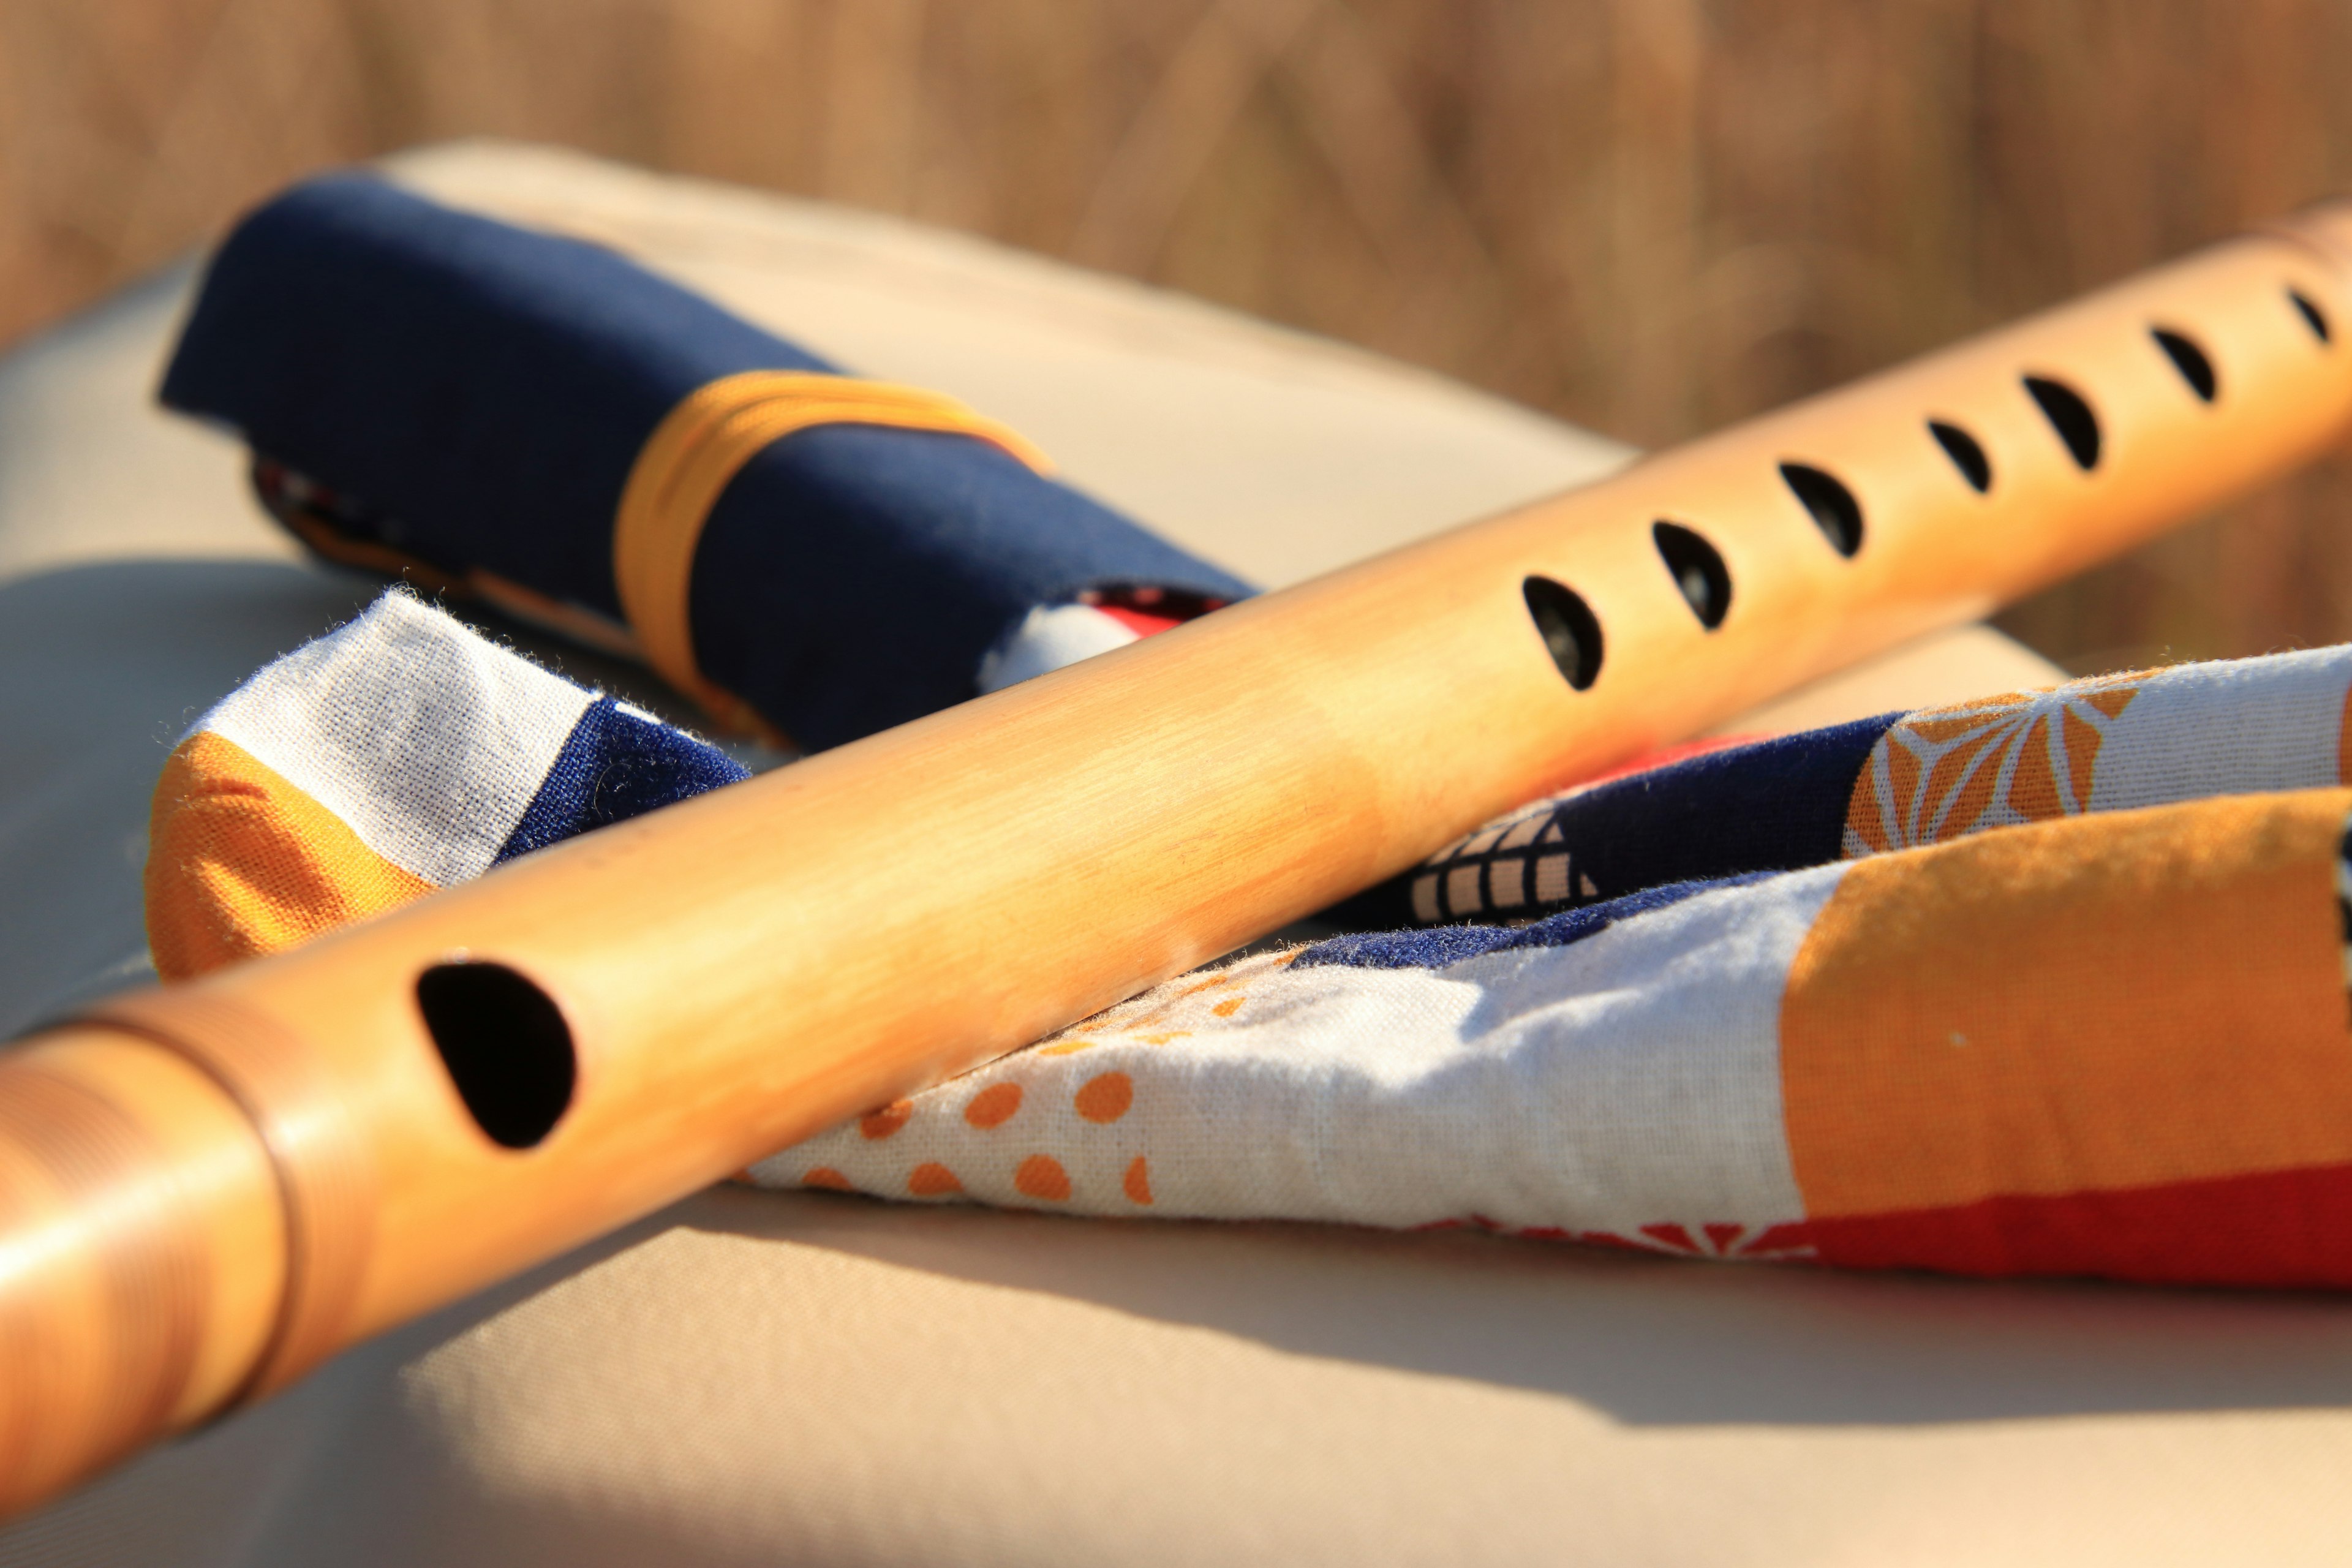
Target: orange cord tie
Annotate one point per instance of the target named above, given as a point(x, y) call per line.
point(687, 464)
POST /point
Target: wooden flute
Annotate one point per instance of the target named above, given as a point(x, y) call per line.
point(207, 1189)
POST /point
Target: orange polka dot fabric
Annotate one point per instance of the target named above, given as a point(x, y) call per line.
point(1054, 1127)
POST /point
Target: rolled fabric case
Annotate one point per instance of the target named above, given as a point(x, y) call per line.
point(467, 404)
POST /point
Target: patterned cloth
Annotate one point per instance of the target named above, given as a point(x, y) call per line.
point(399, 755)
point(474, 406)
point(2052, 983)
point(1895, 782)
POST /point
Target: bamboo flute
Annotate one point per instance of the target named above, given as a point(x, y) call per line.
point(206, 1190)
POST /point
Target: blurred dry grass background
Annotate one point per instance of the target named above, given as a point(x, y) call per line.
point(1650, 216)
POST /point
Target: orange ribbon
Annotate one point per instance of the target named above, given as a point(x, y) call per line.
point(687, 464)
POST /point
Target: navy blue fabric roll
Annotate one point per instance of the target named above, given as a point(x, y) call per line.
point(471, 396)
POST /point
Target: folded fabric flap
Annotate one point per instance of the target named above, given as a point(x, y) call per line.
point(2107, 743)
point(618, 762)
point(399, 754)
point(2108, 1044)
point(2113, 1044)
point(1429, 946)
point(243, 862)
point(434, 387)
point(1770, 805)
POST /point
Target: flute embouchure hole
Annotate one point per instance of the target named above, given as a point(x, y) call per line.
point(506, 1047)
point(2190, 361)
point(1968, 454)
point(1571, 632)
point(2313, 316)
point(1698, 570)
point(1829, 503)
point(2070, 417)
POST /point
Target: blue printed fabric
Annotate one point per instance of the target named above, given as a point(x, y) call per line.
point(1772, 805)
point(618, 762)
point(1897, 781)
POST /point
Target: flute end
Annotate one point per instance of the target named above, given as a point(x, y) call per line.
point(142, 1254)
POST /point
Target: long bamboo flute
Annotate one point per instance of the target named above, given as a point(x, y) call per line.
point(206, 1190)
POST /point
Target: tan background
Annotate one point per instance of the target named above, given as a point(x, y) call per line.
point(1650, 216)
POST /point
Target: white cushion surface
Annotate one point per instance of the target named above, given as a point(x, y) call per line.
point(756, 1378)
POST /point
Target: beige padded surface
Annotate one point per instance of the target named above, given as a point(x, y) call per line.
point(754, 1378)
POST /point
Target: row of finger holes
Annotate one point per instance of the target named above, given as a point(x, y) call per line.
point(1572, 632)
point(510, 1053)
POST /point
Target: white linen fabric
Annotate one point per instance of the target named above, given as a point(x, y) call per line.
point(1048, 637)
point(1626, 1080)
point(761, 1378)
point(429, 746)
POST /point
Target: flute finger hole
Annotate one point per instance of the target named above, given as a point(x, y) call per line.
point(2312, 316)
point(506, 1046)
point(1828, 502)
point(1698, 570)
point(2070, 417)
point(1968, 454)
point(1571, 631)
point(2190, 361)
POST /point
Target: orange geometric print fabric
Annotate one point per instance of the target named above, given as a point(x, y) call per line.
point(1999, 761)
point(2106, 1002)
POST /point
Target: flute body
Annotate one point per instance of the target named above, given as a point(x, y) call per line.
point(207, 1189)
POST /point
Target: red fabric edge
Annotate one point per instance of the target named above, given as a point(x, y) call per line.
point(2275, 1228)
